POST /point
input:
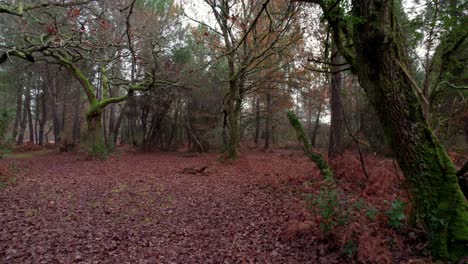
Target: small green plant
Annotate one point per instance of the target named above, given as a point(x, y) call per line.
point(100, 151)
point(360, 204)
point(32, 212)
point(4, 182)
point(119, 188)
point(396, 215)
point(5, 149)
point(350, 249)
point(7, 176)
point(371, 212)
point(331, 206)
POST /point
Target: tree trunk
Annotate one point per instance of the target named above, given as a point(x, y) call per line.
point(336, 126)
point(257, 121)
point(268, 119)
point(316, 157)
point(115, 132)
point(23, 124)
point(95, 132)
point(76, 125)
point(174, 127)
point(27, 105)
point(233, 111)
point(111, 122)
point(317, 122)
point(43, 120)
point(384, 73)
point(53, 95)
point(313, 139)
point(19, 102)
point(104, 126)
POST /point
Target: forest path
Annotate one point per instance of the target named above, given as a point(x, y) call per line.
point(150, 208)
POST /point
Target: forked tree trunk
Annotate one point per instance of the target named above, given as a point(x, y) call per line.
point(95, 132)
point(384, 73)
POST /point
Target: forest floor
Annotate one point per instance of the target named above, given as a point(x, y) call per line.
point(177, 208)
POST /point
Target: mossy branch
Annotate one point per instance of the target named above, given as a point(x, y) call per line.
point(317, 158)
point(143, 86)
point(79, 75)
point(105, 82)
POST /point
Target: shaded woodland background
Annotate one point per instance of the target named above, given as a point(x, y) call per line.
point(278, 68)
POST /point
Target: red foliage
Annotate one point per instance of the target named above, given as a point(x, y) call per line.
point(28, 147)
point(384, 176)
point(372, 247)
point(4, 170)
point(49, 145)
point(458, 158)
point(74, 12)
point(104, 24)
point(294, 229)
point(152, 208)
point(51, 29)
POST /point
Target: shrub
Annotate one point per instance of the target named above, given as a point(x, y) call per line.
point(331, 206)
point(7, 177)
point(99, 151)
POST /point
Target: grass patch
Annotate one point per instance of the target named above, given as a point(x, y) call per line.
point(28, 155)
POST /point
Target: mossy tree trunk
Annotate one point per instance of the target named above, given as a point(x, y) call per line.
point(94, 113)
point(316, 157)
point(233, 110)
point(95, 132)
point(385, 74)
point(374, 47)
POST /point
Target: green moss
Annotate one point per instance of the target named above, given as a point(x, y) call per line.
point(317, 158)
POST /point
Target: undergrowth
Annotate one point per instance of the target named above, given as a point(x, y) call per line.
point(353, 212)
point(7, 175)
point(396, 214)
point(5, 148)
point(99, 151)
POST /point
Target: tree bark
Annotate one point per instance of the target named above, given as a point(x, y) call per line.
point(115, 132)
point(23, 123)
point(385, 74)
point(233, 111)
point(19, 105)
point(317, 123)
point(174, 127)
point(268, 119)
point(111, 122)
point(53, 95)
point(43, 120)
point(316, 157)
point(257, 121)
point(27, 105)
point(336, 126)
point(95, 132)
